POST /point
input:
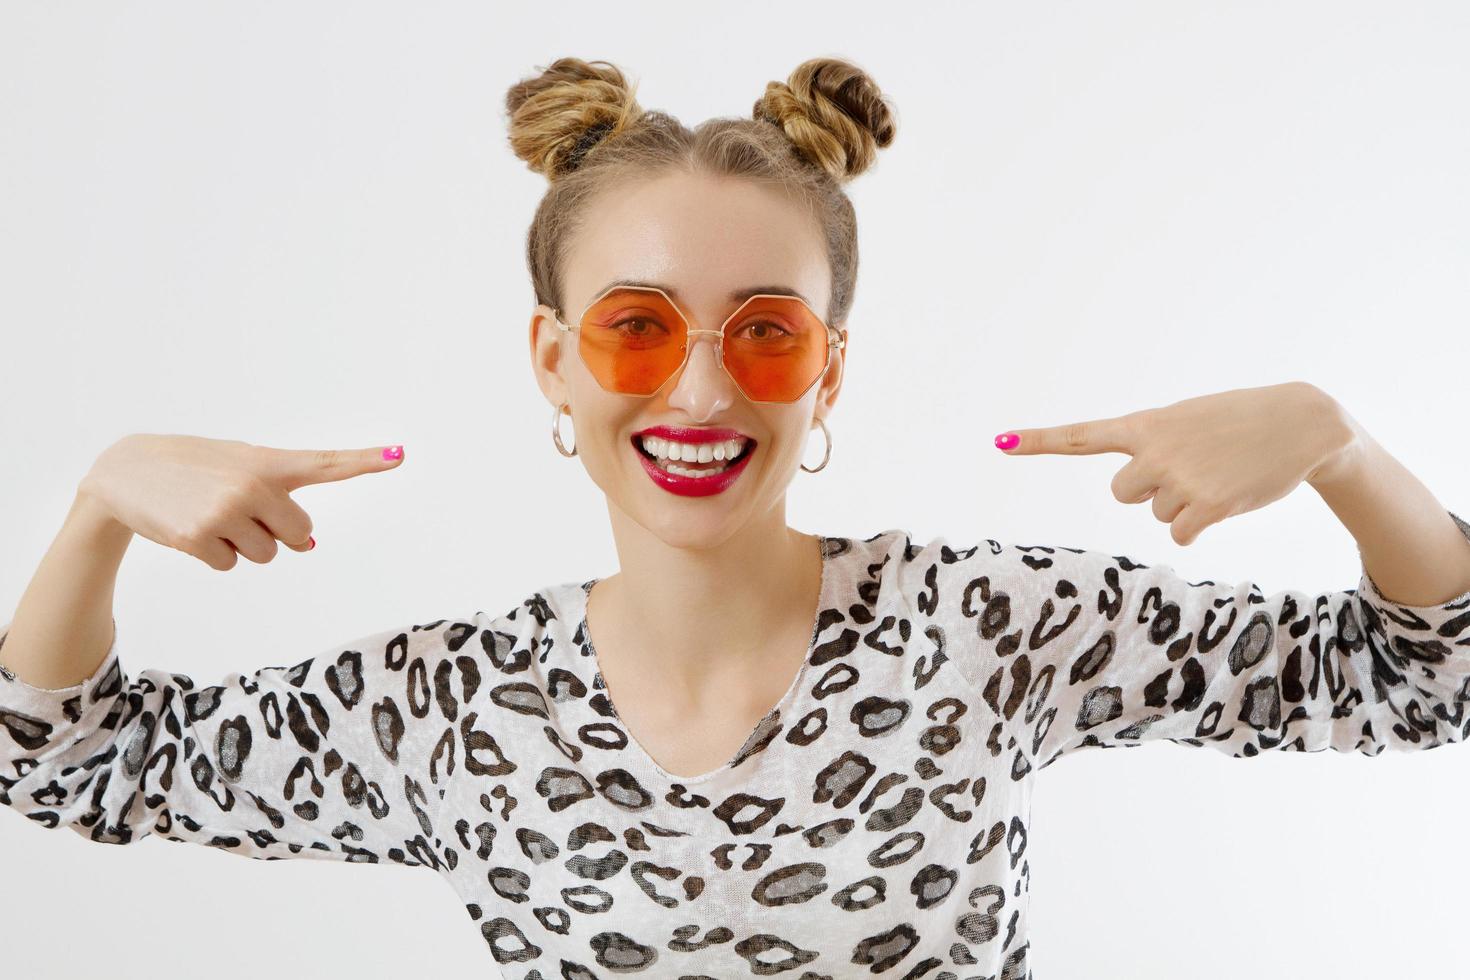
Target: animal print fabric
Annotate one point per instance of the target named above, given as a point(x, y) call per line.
point(875, 822)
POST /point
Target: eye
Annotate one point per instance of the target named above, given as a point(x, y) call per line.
point(622, 327)
point(769, 330)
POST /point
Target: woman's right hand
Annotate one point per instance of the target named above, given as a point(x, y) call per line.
point(217, 499)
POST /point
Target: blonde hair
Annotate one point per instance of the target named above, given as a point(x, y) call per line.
point(578, 124)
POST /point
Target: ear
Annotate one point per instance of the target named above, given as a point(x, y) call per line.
point(546, 348)
point(831, 382)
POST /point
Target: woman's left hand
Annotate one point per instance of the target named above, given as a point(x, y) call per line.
point(1204, 459)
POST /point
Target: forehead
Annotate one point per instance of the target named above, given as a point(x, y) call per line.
point(704, 237)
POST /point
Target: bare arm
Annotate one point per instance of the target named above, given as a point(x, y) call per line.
point(63, 627)
point(1411, 548)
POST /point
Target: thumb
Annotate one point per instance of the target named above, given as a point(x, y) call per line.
point(293, 468)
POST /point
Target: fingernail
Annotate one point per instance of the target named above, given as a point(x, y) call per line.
point(310, 542)
point(393, 452)
point(1007, 440)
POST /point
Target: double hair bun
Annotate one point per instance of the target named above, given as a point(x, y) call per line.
point(832, 112)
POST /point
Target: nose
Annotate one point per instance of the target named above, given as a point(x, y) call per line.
point(702, 388)
point(704, 362)
point(705, 344)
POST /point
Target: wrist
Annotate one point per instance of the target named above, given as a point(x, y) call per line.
point(90, 519)
point(1349, 457)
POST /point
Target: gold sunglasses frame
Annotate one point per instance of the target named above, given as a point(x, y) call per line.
point(836, 339)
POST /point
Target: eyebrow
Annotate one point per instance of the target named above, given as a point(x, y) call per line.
point(736, 296)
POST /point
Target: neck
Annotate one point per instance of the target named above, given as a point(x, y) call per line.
point(700, 617)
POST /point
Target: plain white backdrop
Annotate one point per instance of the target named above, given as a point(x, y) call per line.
point(299, 224)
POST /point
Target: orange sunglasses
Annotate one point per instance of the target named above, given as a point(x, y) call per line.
point(635, 338)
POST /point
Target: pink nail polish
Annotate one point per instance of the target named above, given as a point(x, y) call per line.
point(393, 452)
point(1007, 440)
point(310, 542)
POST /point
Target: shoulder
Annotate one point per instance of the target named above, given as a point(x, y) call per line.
point(971, 575)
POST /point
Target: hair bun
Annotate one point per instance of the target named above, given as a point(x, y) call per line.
point(833, 112)
point(556, 117)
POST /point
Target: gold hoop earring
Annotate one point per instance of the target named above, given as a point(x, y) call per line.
point(828, 454)
point(556, 431)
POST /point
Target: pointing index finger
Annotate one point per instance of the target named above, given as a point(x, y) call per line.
point(1110, 435)
point(294, 468)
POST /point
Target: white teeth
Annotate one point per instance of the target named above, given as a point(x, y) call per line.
point(706, 452)
point(686, 471)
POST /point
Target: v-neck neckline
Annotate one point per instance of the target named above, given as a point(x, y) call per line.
point(782, 705)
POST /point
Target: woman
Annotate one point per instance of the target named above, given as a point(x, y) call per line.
point(752, 750)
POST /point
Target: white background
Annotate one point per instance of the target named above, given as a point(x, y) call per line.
point(299, 224)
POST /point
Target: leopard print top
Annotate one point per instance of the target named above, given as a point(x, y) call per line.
point(874, 822)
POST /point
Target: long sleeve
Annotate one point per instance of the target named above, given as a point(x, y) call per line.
point(1078, 648)
point(322, 760)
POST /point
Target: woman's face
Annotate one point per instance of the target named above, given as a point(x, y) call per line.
point(700, 239)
